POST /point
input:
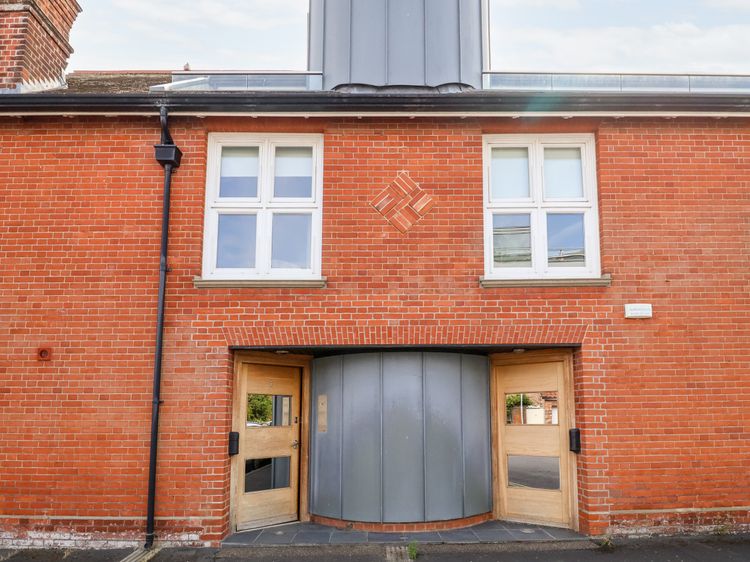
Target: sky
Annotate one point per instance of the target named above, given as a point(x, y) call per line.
point(664, 36)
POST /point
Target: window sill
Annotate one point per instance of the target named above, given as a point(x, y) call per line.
point(603, 281)
point(200, 283)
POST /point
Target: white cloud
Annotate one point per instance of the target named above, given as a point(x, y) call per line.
point(673, 47)
point(728, 4)
point(546, 4)
point(210, 34)
point(246, 14)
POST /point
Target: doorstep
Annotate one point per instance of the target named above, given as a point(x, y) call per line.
point(313, 534)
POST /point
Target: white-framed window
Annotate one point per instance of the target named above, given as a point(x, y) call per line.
point(263, 207)
point(541, 218)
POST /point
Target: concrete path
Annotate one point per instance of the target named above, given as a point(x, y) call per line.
point(698, 549)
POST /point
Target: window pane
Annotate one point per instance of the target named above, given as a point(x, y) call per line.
point(511, 236)
point(531, 408)
point(293, 172)
point(510, 173)
point(565, 240)
point(563, 176)
point(534, 472)
point(268, 410)
point(236, 246)
point(266, 474)
point(239, 171)
point(292, 238)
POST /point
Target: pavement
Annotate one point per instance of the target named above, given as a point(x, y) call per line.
point(729, 548)
point(314, 534)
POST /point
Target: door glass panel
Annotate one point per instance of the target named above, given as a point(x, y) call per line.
point(239, 171)
point(509, 173)
point(531, 408)
point(267, 474)
point(236, 241)
point(293, 171)
point(563, 176)
point(291, 241)
point(565, 240)
point(534, 472)
point(268, 410)
point(511, 239)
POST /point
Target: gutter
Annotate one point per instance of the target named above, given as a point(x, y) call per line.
point(475, 103)
point(169, 156)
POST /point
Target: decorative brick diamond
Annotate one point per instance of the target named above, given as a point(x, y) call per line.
point(403, 202)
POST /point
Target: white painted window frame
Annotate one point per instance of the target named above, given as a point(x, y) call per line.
point(264, 206)
point(538, 207)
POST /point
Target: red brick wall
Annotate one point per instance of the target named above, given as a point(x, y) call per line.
point(663, 404)
point(34, 42)
point(12, 29)
point(61, 13)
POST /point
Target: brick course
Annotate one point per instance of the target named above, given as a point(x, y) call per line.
point(663, 404)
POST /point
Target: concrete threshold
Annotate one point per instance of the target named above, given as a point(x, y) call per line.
point(490, 532)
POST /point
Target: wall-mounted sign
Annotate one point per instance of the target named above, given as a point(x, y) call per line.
point(638, 310)
point(322, 413)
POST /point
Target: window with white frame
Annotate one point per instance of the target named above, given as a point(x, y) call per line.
point(541, 219)
point(263, 207)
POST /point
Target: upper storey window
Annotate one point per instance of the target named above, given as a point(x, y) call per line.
point(263, 207)
point(541, 217)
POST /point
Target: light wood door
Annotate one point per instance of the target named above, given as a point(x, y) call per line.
point(267, 475)
point(533, 463)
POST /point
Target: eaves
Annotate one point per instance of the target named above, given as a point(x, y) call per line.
point(325, 104)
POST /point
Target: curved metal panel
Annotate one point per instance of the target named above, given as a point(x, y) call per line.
point(361, 452)
point(369, 32)
point(405, 437)
point(442, 42)
point(443, 448)
point(408, 43)
point(475, 412)
point(337, 42)
point(405, 45)
point(325, 465)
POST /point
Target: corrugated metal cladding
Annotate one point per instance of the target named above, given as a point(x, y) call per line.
point(396, 42)
point(401, 437)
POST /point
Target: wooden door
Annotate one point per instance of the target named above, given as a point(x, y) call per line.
point(267, 476)
point(533, 463)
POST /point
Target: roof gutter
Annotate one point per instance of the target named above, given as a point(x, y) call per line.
point(324, 104)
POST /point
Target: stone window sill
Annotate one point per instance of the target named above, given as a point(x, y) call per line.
point(201, 283)
point(603, 281)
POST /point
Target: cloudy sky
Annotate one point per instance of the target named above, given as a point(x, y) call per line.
point(533, 35)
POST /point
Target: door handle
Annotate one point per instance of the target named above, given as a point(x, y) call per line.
point(295, 444)
point(234, 443)
point(575, 440)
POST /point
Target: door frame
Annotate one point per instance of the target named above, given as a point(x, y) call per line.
point(303, 362)
point(565, 356)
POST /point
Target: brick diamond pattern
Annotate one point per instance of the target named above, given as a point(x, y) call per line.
point(403, 203)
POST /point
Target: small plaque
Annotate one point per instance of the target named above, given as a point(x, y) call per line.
point(322, 413)
point(638, 310)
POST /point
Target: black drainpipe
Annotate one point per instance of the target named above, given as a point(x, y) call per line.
point(169, 156)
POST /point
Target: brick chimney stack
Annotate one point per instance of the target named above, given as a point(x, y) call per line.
point(34, 47)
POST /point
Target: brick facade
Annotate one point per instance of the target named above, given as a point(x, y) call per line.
point(663, 404)
point(34, 43)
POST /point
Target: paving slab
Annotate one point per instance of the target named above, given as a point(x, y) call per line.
point(312, 537)
point(348, 537)
point(316, 534)
point(68, 555)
